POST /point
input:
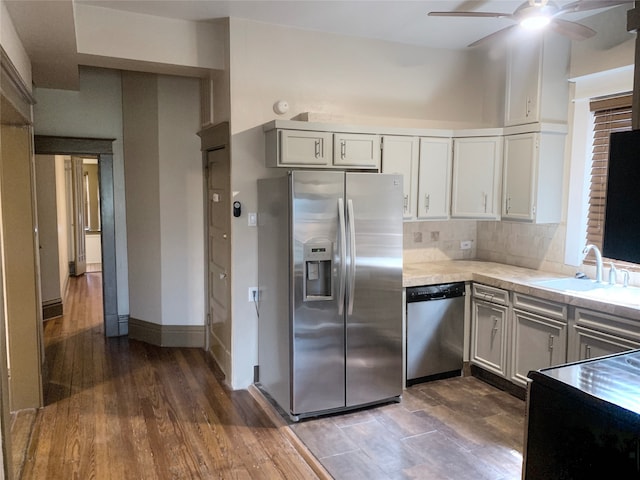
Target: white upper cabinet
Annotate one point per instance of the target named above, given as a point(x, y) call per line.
point(356, 150)
point(477, 165)
point(434, 178)
point(537, 80)
point(400, 155)
point(305, 148)
point(321, 149)
point(533, 177)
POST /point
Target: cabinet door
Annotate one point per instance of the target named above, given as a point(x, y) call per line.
point(592, 344)
point(434, 178)
point(538, 342)
point(305, 148)
point(519, 174)
point(356, 150)
point(489, 337)
point(523, 82)
point(400, 155)
point(476, 175)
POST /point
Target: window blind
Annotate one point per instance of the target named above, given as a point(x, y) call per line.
point(611, 115)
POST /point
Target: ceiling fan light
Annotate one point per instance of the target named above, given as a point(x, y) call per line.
point(535, 22)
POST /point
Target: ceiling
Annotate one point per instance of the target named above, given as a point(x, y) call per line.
point(47, 29)
point(396, 20)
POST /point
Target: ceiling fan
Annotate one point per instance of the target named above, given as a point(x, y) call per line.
point(538, 14)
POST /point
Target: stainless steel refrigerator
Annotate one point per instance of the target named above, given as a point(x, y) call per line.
point(330, 290)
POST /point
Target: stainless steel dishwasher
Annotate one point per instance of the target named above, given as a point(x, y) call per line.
point(435, 331)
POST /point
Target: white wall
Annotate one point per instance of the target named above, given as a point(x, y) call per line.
point(46, 200)
point(94, 111)
point(63, 237)
point(140, 117)
point(13, 46)
point(105, 33)
point(165, 198)
point(181, 202)
point(372, 80)
point(612, 47)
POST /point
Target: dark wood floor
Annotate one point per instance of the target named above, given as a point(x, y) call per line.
point(454, 429)
point(122, 409)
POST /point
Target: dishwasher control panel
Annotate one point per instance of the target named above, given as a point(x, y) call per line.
point(435, 292)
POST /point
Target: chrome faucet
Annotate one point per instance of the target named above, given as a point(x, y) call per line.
point(598, 260)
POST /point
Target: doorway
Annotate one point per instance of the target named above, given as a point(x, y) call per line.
point(100, 149)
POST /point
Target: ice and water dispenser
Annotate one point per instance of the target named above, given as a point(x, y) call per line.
point(318, 260)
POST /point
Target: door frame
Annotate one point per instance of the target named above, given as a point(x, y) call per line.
point(212, 137)
point(114, 326)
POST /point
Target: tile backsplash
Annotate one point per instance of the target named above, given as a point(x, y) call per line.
point(524, 245)
point(513, 243)
point(439, 240)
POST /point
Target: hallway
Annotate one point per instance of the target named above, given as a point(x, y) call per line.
point(122, 409)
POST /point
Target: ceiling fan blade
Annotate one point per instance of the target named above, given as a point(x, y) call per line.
point(575, 31)
point(582, 5)
point(469, 14)
point(492, 36)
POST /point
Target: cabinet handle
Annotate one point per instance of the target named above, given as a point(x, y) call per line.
point(494, 330)
point(551, 343)
point(528, 109)
point(317, 152)
point(426, 203)
point(406, 203)
point(485, 201)
point(343, 149)
point(587, 352)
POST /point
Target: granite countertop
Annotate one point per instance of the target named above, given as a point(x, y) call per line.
point(508, 277)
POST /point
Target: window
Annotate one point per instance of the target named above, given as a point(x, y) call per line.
point(611, 114)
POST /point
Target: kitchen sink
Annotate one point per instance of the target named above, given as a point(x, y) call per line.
point(597, 291)
point(571, 284)
point(617, 294)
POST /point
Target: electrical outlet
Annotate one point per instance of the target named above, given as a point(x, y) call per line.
point(253, 294)
point(465, 245)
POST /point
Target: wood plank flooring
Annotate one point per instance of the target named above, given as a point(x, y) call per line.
point(454, 429)
point(122, 409)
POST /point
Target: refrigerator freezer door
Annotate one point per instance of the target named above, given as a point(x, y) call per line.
point(318, 370)
point(374, 326)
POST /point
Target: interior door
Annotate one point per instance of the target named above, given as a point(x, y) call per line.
point(78, 217)
point(219, 254)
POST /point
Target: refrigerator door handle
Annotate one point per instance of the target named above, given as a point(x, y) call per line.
point(343, 255)
point(352, 254)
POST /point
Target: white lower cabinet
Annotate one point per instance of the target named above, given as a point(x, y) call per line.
point(538, 342)
point(489, 329)
point(539, 338)
point(594, 334)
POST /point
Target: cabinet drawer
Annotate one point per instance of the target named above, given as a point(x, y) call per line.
point(490, 294)
point(619, 327)
point(542, 307)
